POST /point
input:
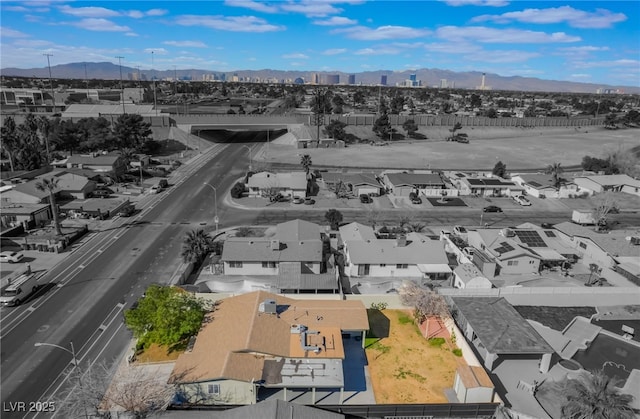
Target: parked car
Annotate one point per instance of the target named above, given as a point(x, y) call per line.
point(155, 189)
point(11, 257)
point(416, 200)
point(492, 208)
point(522, 200)
point(297, 200)
point(365, 199)
point(309, 201)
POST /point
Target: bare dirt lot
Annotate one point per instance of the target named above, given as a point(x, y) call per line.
point(404, 366)
point(518, 148)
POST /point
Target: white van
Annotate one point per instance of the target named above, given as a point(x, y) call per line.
point(17, 291)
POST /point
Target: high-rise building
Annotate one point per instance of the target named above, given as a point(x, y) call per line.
point(315, 78)
point(413, 77)
point(383, 80)
point(352, 79)
point(333, 78)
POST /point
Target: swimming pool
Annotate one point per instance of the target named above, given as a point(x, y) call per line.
point(615, 356)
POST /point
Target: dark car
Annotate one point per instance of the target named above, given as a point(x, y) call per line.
point(492, 208)
point(416, 200)
point(365, 199)
point(127, 211)
point(309, 201)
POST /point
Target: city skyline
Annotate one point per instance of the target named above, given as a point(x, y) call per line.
point(571, 41)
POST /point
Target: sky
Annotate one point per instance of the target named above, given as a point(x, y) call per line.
point(582, 41)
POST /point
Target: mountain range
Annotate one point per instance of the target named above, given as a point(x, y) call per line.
point(428, 77)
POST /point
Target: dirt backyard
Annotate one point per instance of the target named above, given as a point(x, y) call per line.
point(404, 366)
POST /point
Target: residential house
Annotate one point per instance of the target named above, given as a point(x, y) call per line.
point(467, 275)
point(542, 186)
point(291, 260)
point(270, 343)
point(604, 183)
point(27, 215)
point(356, 183)
point(267, 409)
point(616, 250)
point(487, 186)
point(501, 246)
point(374, 263)
point(293, 184)
point(402, 184)
point(72, 185)
point(498, 332)
point(24, 193)
point(103, 163)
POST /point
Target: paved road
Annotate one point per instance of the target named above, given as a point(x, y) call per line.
point(90, 289)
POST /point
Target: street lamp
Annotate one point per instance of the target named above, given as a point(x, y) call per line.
point(248, 148)
point(121, 86)
point(76, 364)
point(215, 204)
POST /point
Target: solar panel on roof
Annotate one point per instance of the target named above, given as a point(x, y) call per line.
point(550, 233)
point(534, 183)
point(530, 238)
point(504, 248)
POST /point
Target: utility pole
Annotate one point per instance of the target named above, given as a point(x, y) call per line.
point(86, 79)
point(139, 85)
point(121, 87)
point(155, 99)
point(175, 89)
point(53, 97)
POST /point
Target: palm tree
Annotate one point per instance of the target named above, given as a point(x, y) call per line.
point(305, 162)
point(10, 140)
point(555, 170)
point(50, 185)
point(593, 395)
point(196, 245)
point(44, 127)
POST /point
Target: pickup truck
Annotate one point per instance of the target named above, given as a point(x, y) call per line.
point(18, 290)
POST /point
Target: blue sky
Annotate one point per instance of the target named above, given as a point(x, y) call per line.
point(584, 41)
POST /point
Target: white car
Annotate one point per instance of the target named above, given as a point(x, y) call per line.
point(11, 257)
point(522, 201)
point(461, 232)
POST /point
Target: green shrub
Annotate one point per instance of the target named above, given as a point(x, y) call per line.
point(436, 342)
point(404, 319)
point(379, 306)
point(457, 352)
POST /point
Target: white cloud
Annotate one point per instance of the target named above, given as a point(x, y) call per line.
point(381, 50)
point(501, 56)
point(100, 25)
point(23, 54)
point(156, 12)
point(585, 48)
point(136, 14)
point(312, 8)
point(580, 76)
point(229, 23)
point(296, 55)
point(334, 51)
point(452, 47)
point(491, 3)
point(502, 36)
point(364, 33)
point(156, 51)
point(609, 63)
point(297, 64)
point(253, 5)
point(32, 43)
point(132, 34)
point(186, 44)
point(601, 18)
point(335, 21)
point(88, 11)
point(20, 9)
point(11, 33)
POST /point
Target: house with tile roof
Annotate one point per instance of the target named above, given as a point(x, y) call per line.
point(262, 341)
point(290, 260)
point(542, 185)
point(292, 184)
point(605, 183)
point(402, 184)
point(369, 260)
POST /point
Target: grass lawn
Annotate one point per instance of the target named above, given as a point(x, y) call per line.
point(404, 366)
point(556, 318)
point(450, 202)
point(157, 353)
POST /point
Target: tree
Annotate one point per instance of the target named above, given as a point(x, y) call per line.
point(166, 316)
point(491, 113)
point(604, 203)
point(410, 127)
point(50, 185)
point(594, 164)
point(320, 105)
point(358, 97)
point(131, 131)
point(593, 395)
point(338, 103)
point(500, 169)
point(10, 141)
point(610, 121)
point(334, 217)
point(305, 162)
point(426, 303)
point(555, 170)
point(195, 247)
point(475, 101)
point(237, 190)
point(335, 130)
point(456, 127)
point(417, 227)
point(382, 126)
point(341, 190)
point(397, 104)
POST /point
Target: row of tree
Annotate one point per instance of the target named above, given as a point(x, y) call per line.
point(37, 140)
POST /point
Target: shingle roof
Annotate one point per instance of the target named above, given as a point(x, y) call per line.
point(297, 230)
point(614, 242)
point(500, 328)
point(237, 327)
point(99, 160)
point(248, 249)
point(356, 231)
point(398, 179)
point(541, 181)
point(292, 180)
point(415, 252)
point(613, 180)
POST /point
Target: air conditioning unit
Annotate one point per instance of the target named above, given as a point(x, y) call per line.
point(635, 240)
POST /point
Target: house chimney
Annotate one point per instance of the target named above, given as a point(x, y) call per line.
point(401, 240)
point(275, 244)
